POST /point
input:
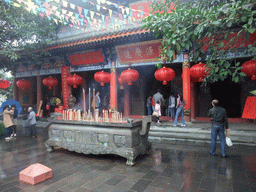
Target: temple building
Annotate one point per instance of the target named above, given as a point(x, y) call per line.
point(115, 46)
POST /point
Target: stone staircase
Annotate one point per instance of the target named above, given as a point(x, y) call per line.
point(199, 133)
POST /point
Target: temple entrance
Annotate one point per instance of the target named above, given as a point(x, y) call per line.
point(228, 94)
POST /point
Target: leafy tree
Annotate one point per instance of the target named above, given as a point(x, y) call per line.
point(190, 22)
point(22, 34)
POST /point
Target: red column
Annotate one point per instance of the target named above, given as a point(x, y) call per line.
point(193, 102)
point(15, 90)
point(113, 86)
point(186, 85)
point(39, 90)
point(126, 100)
point(65, 86)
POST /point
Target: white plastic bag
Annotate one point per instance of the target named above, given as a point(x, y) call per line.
point(229, 142)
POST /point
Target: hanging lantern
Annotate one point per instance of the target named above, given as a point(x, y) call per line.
point(23, 84)
point(74, 80)
point(249, 68)
point(102, 77)
point(50, 82)
point(164, 74)
point(121, 82)
point(198, 72)
point(4, 84)
point(129, 75)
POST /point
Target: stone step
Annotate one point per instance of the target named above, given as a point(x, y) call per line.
point(167, 133)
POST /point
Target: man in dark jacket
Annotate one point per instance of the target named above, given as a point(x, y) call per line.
point(219, 124)
point(14, 120)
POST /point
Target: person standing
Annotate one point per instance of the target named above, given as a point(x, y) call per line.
point(172, 107)
point(219, 122)
point(153, 104)
point(46, 107)
point(14, 119)
point(32, 122)
point(158, 96)
point(97, 111)
point(180, 110)
point(149, 106)
point(71, 101)
point(7, 120)
point(158, 110)
point(97, 100)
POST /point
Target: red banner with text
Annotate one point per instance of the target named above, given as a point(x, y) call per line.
point(65, 92)
point(239, 41)
point(250, 108)
point(139, 52)
point(87, 58)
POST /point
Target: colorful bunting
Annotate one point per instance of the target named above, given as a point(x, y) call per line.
point(97, 21)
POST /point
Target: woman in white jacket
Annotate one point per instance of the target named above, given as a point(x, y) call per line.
point(158, 110)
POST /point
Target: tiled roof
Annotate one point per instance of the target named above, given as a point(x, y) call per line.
point(86, 38)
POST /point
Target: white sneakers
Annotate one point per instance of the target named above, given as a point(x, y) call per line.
point(8, 138)
point(180, 125)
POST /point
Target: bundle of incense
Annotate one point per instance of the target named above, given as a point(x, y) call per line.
point(63, 115)
point(79, 115)
point(70, 114)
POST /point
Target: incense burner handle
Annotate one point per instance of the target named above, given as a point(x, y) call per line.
point(146, 122)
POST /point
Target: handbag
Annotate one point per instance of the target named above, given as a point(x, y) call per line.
point(229, 142)
point(155, 113)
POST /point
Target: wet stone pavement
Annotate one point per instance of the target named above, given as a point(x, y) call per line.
point(170, 167)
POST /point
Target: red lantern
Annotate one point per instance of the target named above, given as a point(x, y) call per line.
point(75, 80)
point(50, 82)
point(4, 84)
point(23, 84)
point(129, 75)
point(102, 77)
point(164, 74)
point(198, 72)
point(249, 68)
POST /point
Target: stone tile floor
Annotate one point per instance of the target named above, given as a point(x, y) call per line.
point(170, 167)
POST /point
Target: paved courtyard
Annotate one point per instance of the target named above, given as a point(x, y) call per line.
point(175, 167)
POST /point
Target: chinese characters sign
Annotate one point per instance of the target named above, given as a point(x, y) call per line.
point(65, 91)
point(238, 42)
point(87, 58)
point(139, 52)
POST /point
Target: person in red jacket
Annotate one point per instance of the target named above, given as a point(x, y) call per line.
point(153, 104)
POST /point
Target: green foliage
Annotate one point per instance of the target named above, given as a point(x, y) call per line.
point(22, 34)
point(2, 129)
point(191, 21)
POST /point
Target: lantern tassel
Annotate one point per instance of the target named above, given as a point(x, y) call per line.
point(102, 84)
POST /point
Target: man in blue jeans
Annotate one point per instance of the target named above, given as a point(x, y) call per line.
point(219, 124)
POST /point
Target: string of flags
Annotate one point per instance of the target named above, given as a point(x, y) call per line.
point(81, 18)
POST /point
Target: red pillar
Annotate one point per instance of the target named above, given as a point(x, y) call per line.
point(39, 90)
point(65, 86)
point(186, 85)
point(113, 86)
point(126, 100)
point(15, 90)
point(193, 102)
